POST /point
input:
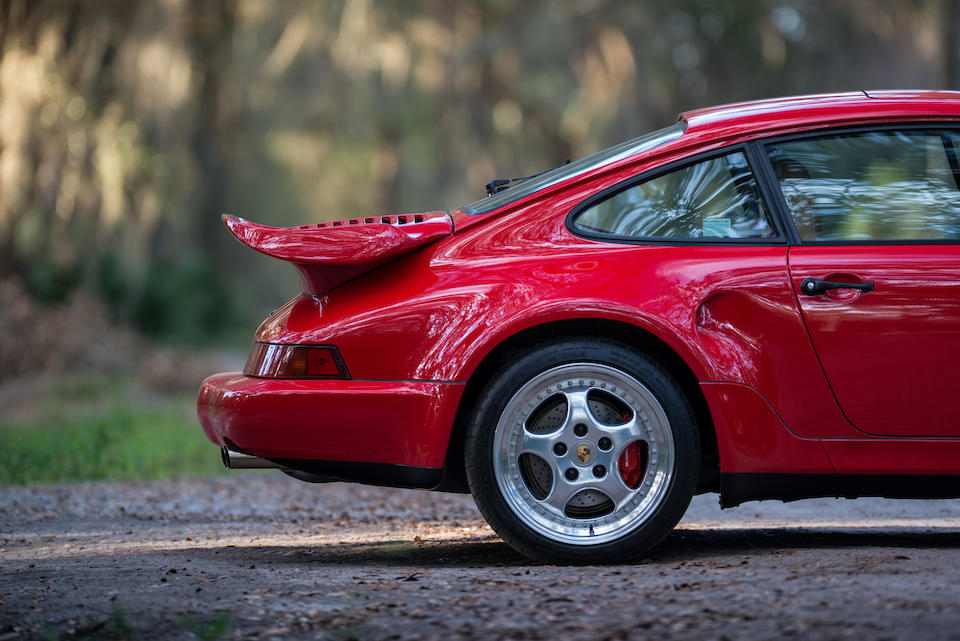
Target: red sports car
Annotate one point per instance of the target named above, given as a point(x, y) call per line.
point(760, 300)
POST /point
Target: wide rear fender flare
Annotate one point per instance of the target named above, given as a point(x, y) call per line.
point(555, 316)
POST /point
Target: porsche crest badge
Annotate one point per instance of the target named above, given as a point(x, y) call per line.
point(583, 453)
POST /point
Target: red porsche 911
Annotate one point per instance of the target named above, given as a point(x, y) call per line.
point(760, 300)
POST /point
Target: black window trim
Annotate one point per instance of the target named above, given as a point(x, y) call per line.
point(755, 165)
point(779, 203)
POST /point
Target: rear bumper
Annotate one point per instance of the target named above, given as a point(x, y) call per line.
point(384, 422)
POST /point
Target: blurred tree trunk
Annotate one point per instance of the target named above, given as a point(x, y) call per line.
point(211, 29)
point(386, 173)
point(12, 19)
point(4, 21)
point(950, 43)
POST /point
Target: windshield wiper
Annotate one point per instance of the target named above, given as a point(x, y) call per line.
point(499, 184)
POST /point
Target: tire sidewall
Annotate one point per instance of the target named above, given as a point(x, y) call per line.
point(479, 450)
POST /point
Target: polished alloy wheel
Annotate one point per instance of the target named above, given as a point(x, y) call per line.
point(583, 453)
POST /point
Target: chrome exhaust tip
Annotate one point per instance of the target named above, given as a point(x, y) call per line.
point(234, 460)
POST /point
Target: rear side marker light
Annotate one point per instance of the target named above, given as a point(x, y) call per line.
point(268, 360)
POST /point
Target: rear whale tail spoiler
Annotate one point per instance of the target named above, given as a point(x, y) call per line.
point(328, 254)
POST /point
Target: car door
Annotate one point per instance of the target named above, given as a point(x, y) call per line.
point(876, 270)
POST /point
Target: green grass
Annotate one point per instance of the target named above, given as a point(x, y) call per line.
point(218, 626)
point(118, 627)
point(86, 429)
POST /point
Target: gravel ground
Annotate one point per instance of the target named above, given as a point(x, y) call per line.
point(255, 556)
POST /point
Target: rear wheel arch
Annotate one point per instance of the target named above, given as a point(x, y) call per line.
point(619, 331)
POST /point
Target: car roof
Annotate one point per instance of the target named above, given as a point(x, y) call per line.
point(743, 120)
point(820, 109)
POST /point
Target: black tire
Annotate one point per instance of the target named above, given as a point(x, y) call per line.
point(524, 526)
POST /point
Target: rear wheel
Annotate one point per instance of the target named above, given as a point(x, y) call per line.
point(582, 451)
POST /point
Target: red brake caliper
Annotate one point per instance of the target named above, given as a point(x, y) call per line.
point(633, 464)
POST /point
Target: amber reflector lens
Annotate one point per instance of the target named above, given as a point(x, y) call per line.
point(321, 362)
point(294, 361)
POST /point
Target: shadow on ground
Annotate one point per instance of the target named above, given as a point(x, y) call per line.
point(490, 551)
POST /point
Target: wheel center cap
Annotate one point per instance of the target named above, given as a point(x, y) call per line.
point(584, 452)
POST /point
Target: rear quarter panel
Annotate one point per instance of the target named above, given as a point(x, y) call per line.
point(727, 311)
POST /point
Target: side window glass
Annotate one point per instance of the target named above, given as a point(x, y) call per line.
point(713, 199)
point(885, 185)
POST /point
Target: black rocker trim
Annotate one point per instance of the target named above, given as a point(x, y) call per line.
point(740, 488)
point(386, 474)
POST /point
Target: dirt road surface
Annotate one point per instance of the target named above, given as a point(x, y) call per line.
point(267, 557)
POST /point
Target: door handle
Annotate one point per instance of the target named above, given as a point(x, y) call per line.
point(815, 286)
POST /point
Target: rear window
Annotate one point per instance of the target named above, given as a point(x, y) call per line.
point(563, 172)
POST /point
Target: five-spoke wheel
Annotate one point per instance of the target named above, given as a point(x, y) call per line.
point(582, 451)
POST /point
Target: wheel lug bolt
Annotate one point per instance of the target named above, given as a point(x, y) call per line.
point(571, 474)
point(605, 443)
point(560, 449)
point(580, 430)
point(599, 471)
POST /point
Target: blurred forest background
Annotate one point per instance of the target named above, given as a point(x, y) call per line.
point(128, 126)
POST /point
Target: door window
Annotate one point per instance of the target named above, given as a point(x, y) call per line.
point(882, 185)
